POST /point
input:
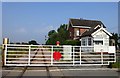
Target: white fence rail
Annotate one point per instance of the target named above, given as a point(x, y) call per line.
point(42, 55)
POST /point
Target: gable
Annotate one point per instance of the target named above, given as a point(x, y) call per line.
point(101, 33)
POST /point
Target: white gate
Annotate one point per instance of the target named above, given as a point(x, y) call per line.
point(42, 55)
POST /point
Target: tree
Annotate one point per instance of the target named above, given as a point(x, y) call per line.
point(33, 42)
point(51, 32)
point(61, 35)
point(116, 37)
point(63, 32)
point(17, 42)
point(24, 43)
point(72, 42)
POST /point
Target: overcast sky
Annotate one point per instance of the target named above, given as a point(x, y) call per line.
point(27, 21)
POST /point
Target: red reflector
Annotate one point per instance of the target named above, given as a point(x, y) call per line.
point(56, 55)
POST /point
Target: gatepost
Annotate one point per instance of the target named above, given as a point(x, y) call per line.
point(5, 41)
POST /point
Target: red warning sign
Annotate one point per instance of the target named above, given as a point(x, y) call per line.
point(56, 55)
point(57, 43)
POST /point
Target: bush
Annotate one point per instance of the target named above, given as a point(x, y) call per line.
point(71, 42)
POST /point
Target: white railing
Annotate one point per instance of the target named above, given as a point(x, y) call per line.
point(42, 55)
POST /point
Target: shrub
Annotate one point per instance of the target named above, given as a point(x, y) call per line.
point(71, 42)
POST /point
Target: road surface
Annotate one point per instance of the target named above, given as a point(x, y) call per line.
point(59, 72)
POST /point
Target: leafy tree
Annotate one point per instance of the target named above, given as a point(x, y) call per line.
point(72, 42)
point(52, 39)
point(17, 42)
point(24, 43)
point(63, 32)
point(33, 42)
point(51, 32)
point(116, 37)
point(60, 35)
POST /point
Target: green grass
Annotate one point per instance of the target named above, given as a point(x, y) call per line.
point(116, 65)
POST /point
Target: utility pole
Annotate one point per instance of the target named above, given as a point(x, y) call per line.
point(46, 38)
point(118, 57)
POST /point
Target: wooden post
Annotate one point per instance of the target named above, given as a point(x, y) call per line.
point(4, 50)
point(80, 56)
point(73, 56)
point(51, 55)
point(3, 54)
point(29, 55)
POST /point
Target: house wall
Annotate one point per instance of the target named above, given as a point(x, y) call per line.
point(82, 30)
point(75, 33)
point(101, 36)
point(71, 32)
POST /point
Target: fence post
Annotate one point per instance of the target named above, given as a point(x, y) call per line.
point(73, 56)
point(80, 55)
point(115, 57)
point(5, 52)
point(102, 58)
point(29, 55)
point(52, 55)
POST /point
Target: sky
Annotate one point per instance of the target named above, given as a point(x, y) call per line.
point(60, 0)
point(25, 21)
point(0, 23)
point(119, 17)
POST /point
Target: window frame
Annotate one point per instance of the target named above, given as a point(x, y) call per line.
point(89, 41)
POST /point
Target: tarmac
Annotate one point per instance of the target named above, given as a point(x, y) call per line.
point(61, 72)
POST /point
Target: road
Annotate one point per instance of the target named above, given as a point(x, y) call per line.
point(61, 72)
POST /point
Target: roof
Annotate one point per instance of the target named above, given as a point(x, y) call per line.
point(90, 31)
point(84, 22)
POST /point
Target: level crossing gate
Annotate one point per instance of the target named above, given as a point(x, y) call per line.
point(42, 55)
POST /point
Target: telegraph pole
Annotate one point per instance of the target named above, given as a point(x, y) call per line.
point(46, 38)
point(118, 56)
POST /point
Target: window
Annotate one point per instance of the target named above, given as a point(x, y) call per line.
point(84, 42)
point(89, 41)
point(98, 42)
point(77, 32)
